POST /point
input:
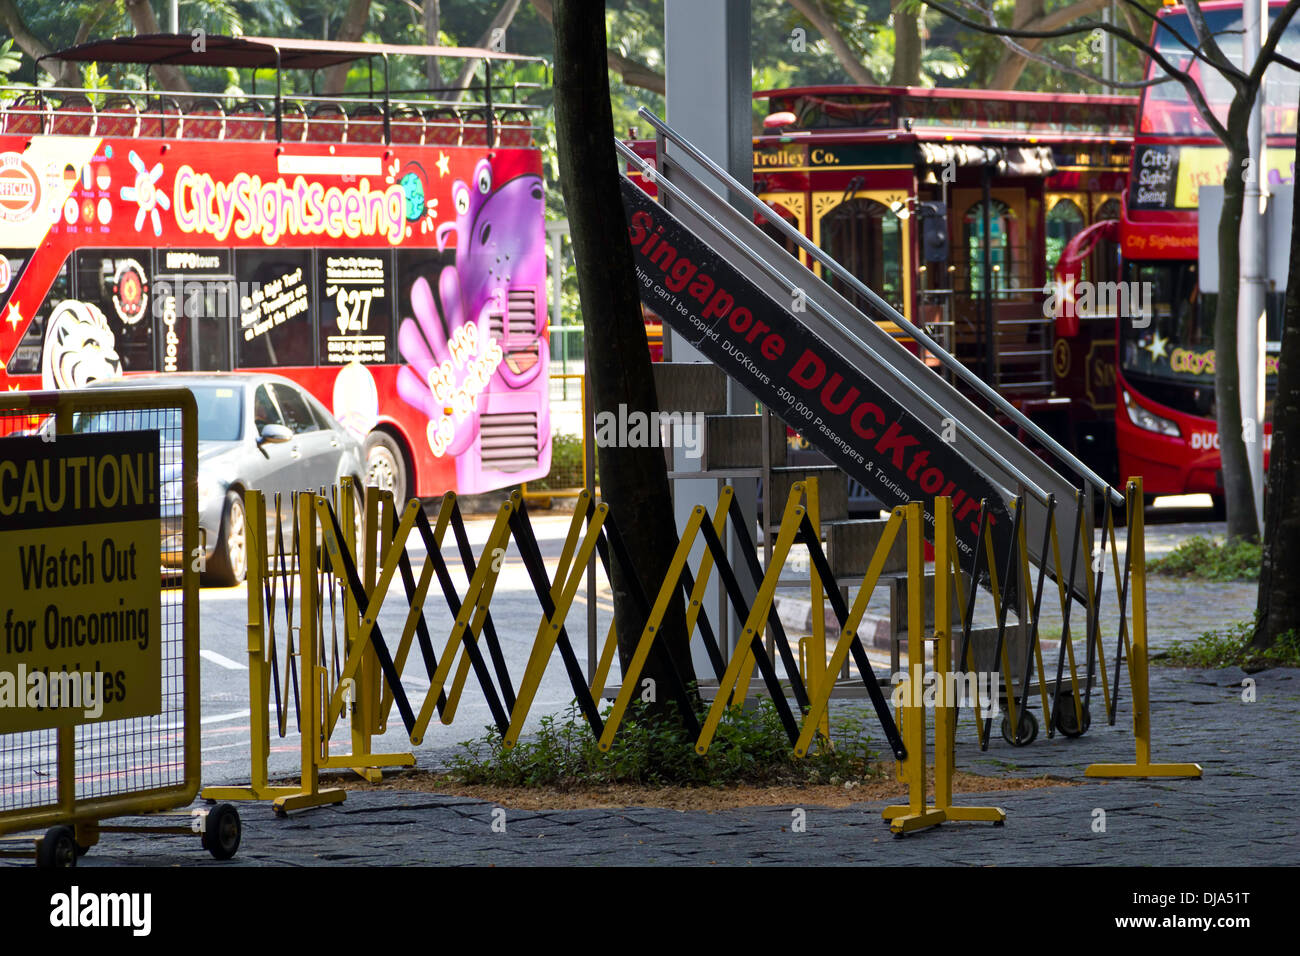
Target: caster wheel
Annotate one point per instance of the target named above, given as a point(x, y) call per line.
point(58, 849)
point(1065, 719)
point(1028, 729)
point(223, 831)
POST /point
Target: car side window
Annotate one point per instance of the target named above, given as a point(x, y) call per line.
point(264, 410)
point(323, 418)
point(296, 413)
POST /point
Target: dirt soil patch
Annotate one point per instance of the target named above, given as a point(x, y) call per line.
point(875, 789)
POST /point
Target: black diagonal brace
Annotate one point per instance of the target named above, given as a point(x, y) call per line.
point(883, 713)
point(531, 554)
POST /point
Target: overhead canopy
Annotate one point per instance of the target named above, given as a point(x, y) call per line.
point(1007, 160)
point(178, 49)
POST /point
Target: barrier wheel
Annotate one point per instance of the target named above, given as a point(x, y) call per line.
point(223, 831)
point(1065, 721)
point(58, 849)
point(1028, 729)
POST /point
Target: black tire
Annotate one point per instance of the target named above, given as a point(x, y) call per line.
point(229, 563)
point(1065, 720)
point(58, 849)
point(1028, 728)
point(223, 831)
point(386, 466)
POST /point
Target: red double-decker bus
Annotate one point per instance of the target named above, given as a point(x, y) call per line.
point(386, 250)
point(1165, 409)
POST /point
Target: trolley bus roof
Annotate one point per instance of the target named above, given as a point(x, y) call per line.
point(177, 49)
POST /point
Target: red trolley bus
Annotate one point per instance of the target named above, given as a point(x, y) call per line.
point(1166, 425)
point(386, 251)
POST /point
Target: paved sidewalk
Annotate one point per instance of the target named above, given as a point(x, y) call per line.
point(1242, 813)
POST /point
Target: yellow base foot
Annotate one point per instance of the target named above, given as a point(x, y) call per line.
point(305, 801)
point(1143, 770)
point(247, 793)
point(908, 822)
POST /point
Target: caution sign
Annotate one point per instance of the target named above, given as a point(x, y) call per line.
point(79, 557)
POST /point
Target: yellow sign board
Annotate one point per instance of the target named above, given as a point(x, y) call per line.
point(80, 621)
point(1207, 165)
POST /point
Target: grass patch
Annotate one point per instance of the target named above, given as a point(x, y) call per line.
point(750, 747)
point(1229, 647)
point(1211, 559)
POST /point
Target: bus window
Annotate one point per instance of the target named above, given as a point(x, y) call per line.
point(356, 306)
point(275, 322)
point(117, 282)
point(866, 238)
point(12, 263)
point(26, 359)
point(999, 246)
point(1064, 221)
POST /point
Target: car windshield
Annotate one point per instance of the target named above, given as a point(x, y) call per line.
point(221, 415)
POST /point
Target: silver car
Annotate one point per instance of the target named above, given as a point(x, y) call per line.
point(256, 431)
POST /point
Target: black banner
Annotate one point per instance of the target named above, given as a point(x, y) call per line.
point(1154, 180)
point(813, 389)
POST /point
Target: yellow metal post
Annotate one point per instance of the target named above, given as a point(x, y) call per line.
point(259, 666)
point(917, 815)
point(1137, 664)
point(309, 676)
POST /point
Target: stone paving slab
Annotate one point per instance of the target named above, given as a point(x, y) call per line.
point(1242, 813)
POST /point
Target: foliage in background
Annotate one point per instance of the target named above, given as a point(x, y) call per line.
point(1229, 647)
point(566, 465)
point(750, 747)
point(1211, 560)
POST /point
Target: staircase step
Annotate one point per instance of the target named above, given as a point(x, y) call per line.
point(832, 490)
point(736, 441)
point(691, 387)
point(850, 546)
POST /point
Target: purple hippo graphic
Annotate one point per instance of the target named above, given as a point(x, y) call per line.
point(489, 338)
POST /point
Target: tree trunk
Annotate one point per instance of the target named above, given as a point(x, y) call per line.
point(1238, 494)
point(907, 47)
point(1278, 603)
point(68, 74)
point(632, 72)
point(824, 24)
point(634, 481)
point(500, 22)
point(432, 26)
point(145, 24)
point(352, 29)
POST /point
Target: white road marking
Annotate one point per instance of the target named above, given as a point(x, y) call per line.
point(222, 661)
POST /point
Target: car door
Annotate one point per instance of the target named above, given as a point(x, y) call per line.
point(278, 469)
point(318, 449)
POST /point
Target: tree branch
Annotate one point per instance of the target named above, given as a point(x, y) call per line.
point(33, 46)
point(993, 28)
point(1268, 51)
point(145, 24)
point(812, 11)
point(632, 72)
point(499, 22)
